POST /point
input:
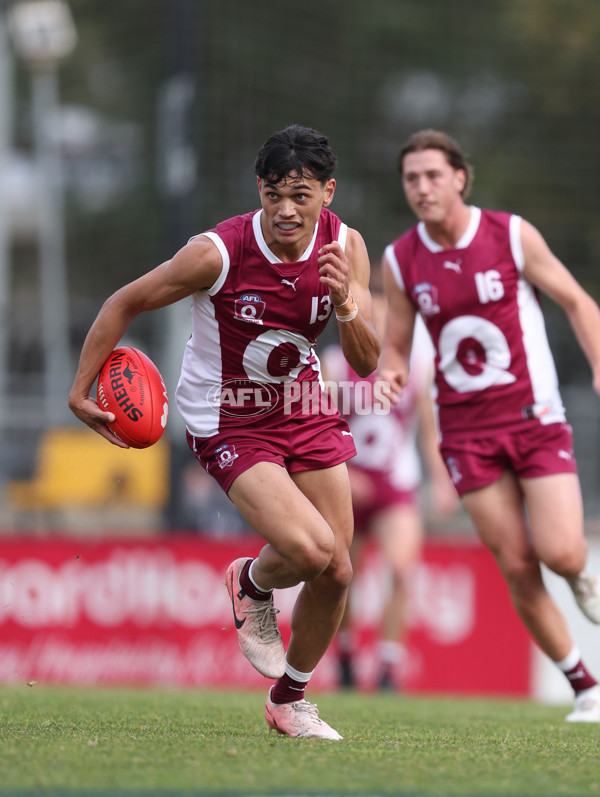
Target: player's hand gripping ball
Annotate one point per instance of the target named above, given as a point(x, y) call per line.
point(131, 387)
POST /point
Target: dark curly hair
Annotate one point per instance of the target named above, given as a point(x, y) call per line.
point(296, 150)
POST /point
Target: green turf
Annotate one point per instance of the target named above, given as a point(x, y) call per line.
point(73, 741)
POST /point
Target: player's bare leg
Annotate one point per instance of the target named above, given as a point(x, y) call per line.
point(556, 519)
point(400, 534)
point(300, 541)
point(321, 602)
point(497, 512)
point(307, 520)
point(345, 641)
point(556, 522)
point(300, 546)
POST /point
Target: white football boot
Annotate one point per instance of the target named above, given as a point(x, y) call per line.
point(587, 706)
point(586, 589)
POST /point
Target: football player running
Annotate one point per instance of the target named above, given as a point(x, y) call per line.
point(263, 287)
point(473, 275)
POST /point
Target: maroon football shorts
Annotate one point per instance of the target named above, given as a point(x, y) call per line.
point(530, 453)
point(381, 496)
point(311, 442)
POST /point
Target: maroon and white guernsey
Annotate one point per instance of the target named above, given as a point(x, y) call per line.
point(494, 368)
point(250, 354)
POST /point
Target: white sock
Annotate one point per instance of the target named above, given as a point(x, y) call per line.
point(258, 587)
point(296, 675)
point(570, 660)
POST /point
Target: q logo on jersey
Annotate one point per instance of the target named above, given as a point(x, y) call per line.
point(249, 307)
point(426, 296)
point(225, 455)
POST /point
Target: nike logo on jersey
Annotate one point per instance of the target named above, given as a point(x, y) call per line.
point(291, 284)
point(565, 455)
point(574, 675)
point(238, 623)
point(347, 434)
point(453, 266)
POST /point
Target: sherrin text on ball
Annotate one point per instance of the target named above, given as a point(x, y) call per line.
point(131, 387)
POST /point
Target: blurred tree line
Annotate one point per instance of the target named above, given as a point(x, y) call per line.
point(166, 102)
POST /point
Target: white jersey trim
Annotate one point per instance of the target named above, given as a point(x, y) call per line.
point(218, 283)
point(201, 369)
point(516, 245)
point(262, 244)
point(343, 236)
point(465, 240)
point(394, 266)
point(540, 363)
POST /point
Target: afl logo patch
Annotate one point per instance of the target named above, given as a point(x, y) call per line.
point(250, 308)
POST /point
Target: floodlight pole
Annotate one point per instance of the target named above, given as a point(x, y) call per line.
point(53, 278)
point(44, 34)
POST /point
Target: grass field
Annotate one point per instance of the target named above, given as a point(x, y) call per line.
point(108, 742)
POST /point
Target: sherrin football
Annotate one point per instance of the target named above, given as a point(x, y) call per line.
point(131, 387)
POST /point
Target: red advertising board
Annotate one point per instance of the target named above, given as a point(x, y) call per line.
point(157, 613)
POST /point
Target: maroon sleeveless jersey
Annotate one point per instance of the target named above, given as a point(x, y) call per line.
point(251, 358)
point(494, 368)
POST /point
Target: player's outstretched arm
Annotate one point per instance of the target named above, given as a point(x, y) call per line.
point(194, 267)
point(546, 272)
point(394, 362)
point(347, 275)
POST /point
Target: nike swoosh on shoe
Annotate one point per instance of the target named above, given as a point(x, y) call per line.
point(238, 623)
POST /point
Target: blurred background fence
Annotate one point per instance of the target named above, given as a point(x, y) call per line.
point(125, 128)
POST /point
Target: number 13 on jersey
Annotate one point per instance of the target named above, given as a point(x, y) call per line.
point(315, 316)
